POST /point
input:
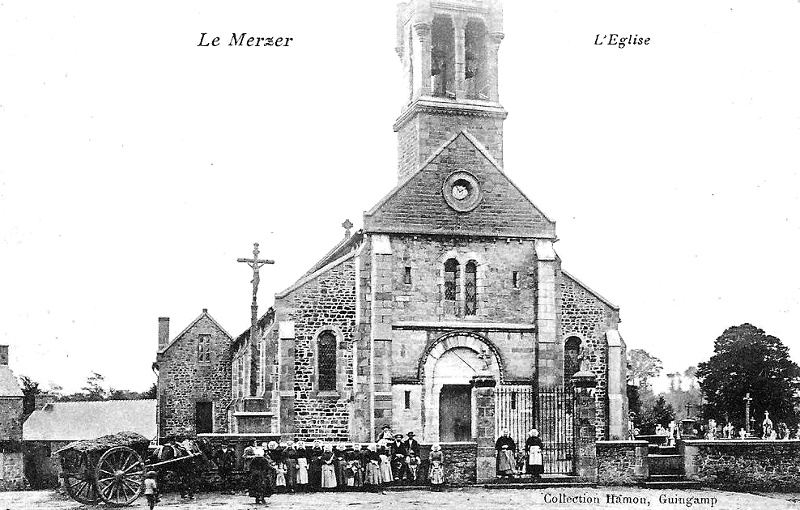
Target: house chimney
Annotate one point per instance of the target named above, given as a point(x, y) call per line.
point(163, 332)
point(3, 355)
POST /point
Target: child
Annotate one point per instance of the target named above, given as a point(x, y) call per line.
point(413, 464)
point(436, 475)
point(150, 488)
point(280, 477)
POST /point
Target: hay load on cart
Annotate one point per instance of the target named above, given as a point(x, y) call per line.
point(112, 468)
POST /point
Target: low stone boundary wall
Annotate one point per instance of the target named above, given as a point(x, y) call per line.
point(621, 462)
point(743, 465)
point(11, 473)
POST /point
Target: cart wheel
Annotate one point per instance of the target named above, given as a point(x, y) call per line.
point(120, 476)
point(80, 484)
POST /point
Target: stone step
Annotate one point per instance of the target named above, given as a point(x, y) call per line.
point(669, 482)
point(662, 450)
point(537, 485)
point(665, 464)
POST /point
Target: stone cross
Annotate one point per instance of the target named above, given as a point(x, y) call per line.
point(747, 401)
point(256, 264)
point(688, 408)
point(347, 225)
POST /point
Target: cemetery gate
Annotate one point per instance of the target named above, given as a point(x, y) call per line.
point(519, 408)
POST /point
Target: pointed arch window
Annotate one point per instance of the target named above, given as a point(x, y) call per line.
point(471, 288)
point(326, 361)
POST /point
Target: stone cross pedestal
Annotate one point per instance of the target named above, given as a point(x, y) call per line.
point(483, 386)
point(584, 383)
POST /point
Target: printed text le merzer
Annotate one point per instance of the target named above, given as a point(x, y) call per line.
point(242, 40)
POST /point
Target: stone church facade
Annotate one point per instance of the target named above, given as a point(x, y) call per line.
point(454, 274)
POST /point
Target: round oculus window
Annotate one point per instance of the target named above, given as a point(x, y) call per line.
point(461, 191)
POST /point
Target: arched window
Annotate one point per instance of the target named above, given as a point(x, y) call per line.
point(470, 288)
point(443, 62)
point(475, 65)
point(450, 286)
point(326, 361)
point(572, 350)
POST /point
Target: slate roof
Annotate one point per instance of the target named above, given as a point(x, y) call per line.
point(72, 421)
point(191, 324)
point(9, 387)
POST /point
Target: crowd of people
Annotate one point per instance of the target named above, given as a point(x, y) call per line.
point(274, 467)
point(288, 467)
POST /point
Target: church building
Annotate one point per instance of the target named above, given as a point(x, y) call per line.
point(454, 274)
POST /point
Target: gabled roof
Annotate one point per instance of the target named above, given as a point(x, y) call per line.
point(71, 421)
point(9, 387)
point(190, 326)
point(263, 322)
point(343, 250)
point(590, 291)
point(417, 206)
point(342, 247)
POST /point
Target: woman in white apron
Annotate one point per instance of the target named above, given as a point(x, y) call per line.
point(534, 463)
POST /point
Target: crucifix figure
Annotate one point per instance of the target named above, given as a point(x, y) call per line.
point(256, 264)
point(747, 401)
point(688, 409)
point(347, 225)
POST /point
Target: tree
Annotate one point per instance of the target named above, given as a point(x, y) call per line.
point(643, 366)
point(150, 393)
point(30, 389)
point(747, 360)
point(659, 412)
point(94, 389)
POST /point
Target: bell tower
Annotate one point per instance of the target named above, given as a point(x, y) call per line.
point(448, 49)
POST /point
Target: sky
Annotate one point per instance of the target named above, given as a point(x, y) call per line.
point(136, 166)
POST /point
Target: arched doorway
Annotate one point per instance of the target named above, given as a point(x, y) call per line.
point(449, 397)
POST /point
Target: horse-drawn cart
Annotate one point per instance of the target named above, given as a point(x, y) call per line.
point(110, 468)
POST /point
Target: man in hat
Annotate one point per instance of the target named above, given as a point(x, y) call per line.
point(411, 444)
point(399, 454)
point(412, 450)
point(226, 461)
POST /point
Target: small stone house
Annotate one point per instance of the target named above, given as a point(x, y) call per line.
point(194, 378)
point(57, 424)
point(11, 471)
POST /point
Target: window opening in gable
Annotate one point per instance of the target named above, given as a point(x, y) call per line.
point(204, 349)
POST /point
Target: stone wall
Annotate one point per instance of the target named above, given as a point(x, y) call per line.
point(497, 298)
point(42, 463)
point(10, 418)
point(621, 462)
point(424, 133)
point(586, 316)
point(184, 380)
point(11, 471)
point(326, 302)
point(749, 465)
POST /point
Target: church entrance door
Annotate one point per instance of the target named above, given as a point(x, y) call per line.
point(455, 413)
